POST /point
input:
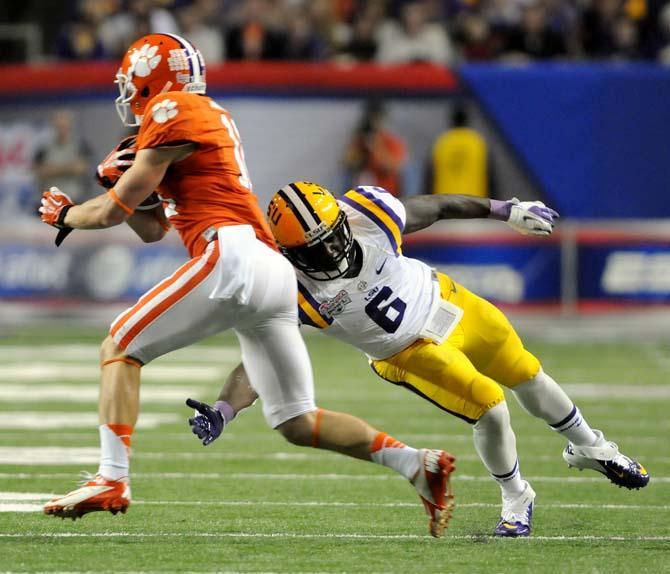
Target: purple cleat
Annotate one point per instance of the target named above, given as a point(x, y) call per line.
point(517, 514)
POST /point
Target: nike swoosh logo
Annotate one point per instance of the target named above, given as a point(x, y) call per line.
point(58, 203)
point(378, 271)
point(620, 474)
point(526, 218)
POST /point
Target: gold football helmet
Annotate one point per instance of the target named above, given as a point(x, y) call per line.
point(312, 230)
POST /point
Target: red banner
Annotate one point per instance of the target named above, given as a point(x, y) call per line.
point(273, 77)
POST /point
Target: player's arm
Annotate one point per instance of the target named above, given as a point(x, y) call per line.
point(150, 226)
point(527, 217)
point(119, 203)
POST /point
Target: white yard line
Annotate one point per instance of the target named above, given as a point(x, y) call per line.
point(341, 536)
point(32, 502)
point(58, 420)
point(610, 392)
point(656, 480)
point(91, 352)
point(89, 393)
point(56, 455)
point(44, 372)
point(44, 496)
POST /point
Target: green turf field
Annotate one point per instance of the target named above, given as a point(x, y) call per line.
point(253, 503)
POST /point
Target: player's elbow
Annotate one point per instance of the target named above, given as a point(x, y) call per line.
point(152, 235)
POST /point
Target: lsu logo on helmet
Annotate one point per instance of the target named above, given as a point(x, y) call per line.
point(312, 230)
point(154, 64)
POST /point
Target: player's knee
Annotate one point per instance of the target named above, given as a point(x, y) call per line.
point(495, 420)
point(526, 368)
point(486, 393)
point(110, 350)
point(298, 430)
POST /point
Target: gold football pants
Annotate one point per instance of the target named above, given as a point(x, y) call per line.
point(463, 375)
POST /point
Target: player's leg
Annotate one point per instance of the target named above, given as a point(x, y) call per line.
point(444, 376)
point(587, 448)
point(173, 314)
point(278, 366)
point(496, 349)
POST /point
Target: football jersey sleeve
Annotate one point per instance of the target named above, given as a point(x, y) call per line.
point(381, 211)
point(169, 118)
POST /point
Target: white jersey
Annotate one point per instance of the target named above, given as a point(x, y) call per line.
point(383, 309)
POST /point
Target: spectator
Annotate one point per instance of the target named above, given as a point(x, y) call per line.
point(598, 23)
point(303, 42)
point(141, 17)
point(64, 161)
point(198, 23)
point(79, 38)
point(459, 161)
point(255, 37)
point(374, 155)
point(362, 45)
point(475, 38)
point(534, 39)
point(626, 40)
point(414, 39)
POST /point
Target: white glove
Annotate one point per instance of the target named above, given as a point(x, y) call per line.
point(531, 217)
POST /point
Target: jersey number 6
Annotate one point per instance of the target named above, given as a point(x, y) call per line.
point(379, 312)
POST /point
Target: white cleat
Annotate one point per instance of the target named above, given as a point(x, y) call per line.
point(604, 457)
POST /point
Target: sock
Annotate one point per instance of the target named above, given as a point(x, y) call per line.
point(544, 398)
point(390, 452)
point(114, 451)
point(495, 443)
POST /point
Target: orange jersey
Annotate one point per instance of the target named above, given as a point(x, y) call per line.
point(211, 187)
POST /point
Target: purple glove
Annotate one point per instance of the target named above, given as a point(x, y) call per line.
point(209, 424)
point(526, 217)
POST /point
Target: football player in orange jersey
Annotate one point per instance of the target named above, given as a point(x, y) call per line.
point(189, 150)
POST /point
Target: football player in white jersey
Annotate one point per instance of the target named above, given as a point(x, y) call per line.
point(422, 330)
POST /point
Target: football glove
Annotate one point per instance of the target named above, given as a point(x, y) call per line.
point(209, 424)
point(54, 208)
point(116, 163)
point(526, 217)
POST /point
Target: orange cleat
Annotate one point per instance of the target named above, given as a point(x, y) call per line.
point(434, 488)
point(95, 494)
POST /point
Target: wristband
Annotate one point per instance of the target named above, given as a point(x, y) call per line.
point(227, 412)
point(500, 210)
point(117, 200)
point(60, 222)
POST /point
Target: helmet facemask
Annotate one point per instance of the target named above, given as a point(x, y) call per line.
point(127, 91)
point(327, 257)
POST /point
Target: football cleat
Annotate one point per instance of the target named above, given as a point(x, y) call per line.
point(516, 515)
point(434, 488)
point(604, 457)
point(95, 494)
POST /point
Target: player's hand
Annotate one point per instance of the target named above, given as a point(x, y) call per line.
point(116, 163)
point(208, 425)
point(531, 217)
point(55, 205)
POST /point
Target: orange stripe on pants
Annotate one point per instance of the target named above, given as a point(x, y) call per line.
point(145, 302)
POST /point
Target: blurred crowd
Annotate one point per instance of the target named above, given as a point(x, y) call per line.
point(441, 31)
